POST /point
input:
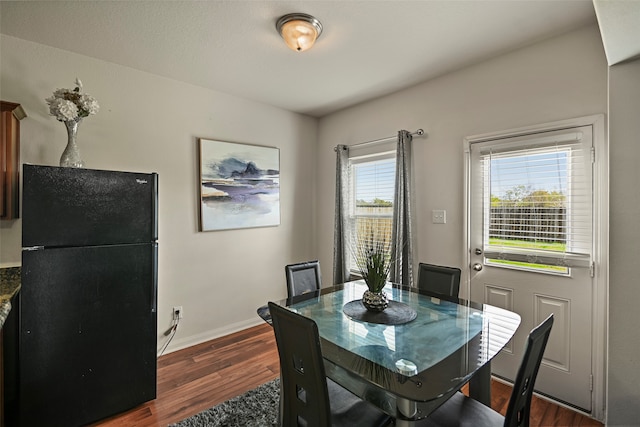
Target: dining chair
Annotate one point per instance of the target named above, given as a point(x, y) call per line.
point(303, 277)
point(461, 410)
point(263, 312)
point(441, 281)
point(308, 397)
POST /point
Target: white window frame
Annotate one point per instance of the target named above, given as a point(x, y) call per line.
point(579, 248)
point(352, 215)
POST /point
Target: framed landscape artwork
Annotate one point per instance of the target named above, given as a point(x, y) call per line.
point(239, 185)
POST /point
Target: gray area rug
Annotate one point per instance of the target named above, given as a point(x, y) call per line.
point(255, 408)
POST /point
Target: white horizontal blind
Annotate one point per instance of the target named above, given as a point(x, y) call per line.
point(371, 203)
point(538, 198)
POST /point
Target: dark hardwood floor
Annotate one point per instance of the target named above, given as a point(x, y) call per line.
point(199, 377)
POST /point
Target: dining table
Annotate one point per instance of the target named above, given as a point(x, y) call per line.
point(412, 356)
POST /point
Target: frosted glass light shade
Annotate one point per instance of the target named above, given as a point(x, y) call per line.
point(299, 30)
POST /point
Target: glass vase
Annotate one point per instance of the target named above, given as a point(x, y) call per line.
point(71, 155)
point(375, 301)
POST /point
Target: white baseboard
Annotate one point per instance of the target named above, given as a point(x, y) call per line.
point(185, 342)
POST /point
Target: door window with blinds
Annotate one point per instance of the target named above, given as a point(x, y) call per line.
point(371, 195)
point(537, 200)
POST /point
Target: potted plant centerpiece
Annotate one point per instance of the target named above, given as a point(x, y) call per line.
point(374, 263)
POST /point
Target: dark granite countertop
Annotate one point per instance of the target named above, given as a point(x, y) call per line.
point(9, 285)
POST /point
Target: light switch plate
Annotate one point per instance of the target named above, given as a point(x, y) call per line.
point(439, 216)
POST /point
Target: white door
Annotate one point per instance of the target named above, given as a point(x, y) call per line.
point(530, 238)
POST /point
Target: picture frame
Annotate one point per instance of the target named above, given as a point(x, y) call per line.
point(239, 185)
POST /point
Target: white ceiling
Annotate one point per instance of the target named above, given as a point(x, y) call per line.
point(367, 48)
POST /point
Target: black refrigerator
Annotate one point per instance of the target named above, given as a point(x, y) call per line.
point(82, 339)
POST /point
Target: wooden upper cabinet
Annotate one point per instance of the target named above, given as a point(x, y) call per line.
point(10, 160)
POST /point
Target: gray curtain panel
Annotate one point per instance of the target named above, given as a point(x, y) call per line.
point(402, 234)
point(340, 242)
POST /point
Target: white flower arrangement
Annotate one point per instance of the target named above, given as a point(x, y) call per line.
point(67, 105)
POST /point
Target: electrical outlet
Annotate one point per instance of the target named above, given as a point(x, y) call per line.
point(177, 312)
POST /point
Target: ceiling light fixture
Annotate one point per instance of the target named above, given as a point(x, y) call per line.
point(299, 30)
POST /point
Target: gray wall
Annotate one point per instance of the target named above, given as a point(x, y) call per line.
point(560, 78)
point(624, 285)
point(557, 79)
point(148, 123)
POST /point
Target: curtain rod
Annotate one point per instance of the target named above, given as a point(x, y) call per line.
point(419, 132)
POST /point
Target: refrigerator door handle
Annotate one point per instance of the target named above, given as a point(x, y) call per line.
point(155, 206)
point(33, 248)
point(154, 287)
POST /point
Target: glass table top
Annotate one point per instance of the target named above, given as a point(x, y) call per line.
point(421, 360)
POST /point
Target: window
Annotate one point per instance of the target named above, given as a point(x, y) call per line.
point(537, 201)
point(371, 202)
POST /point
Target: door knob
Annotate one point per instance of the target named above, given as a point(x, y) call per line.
point(478, 251)
point(477, 266)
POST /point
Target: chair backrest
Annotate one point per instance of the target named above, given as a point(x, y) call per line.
point(302, 376)
point(303, 277)
point(519, 408)
point(440, 280)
